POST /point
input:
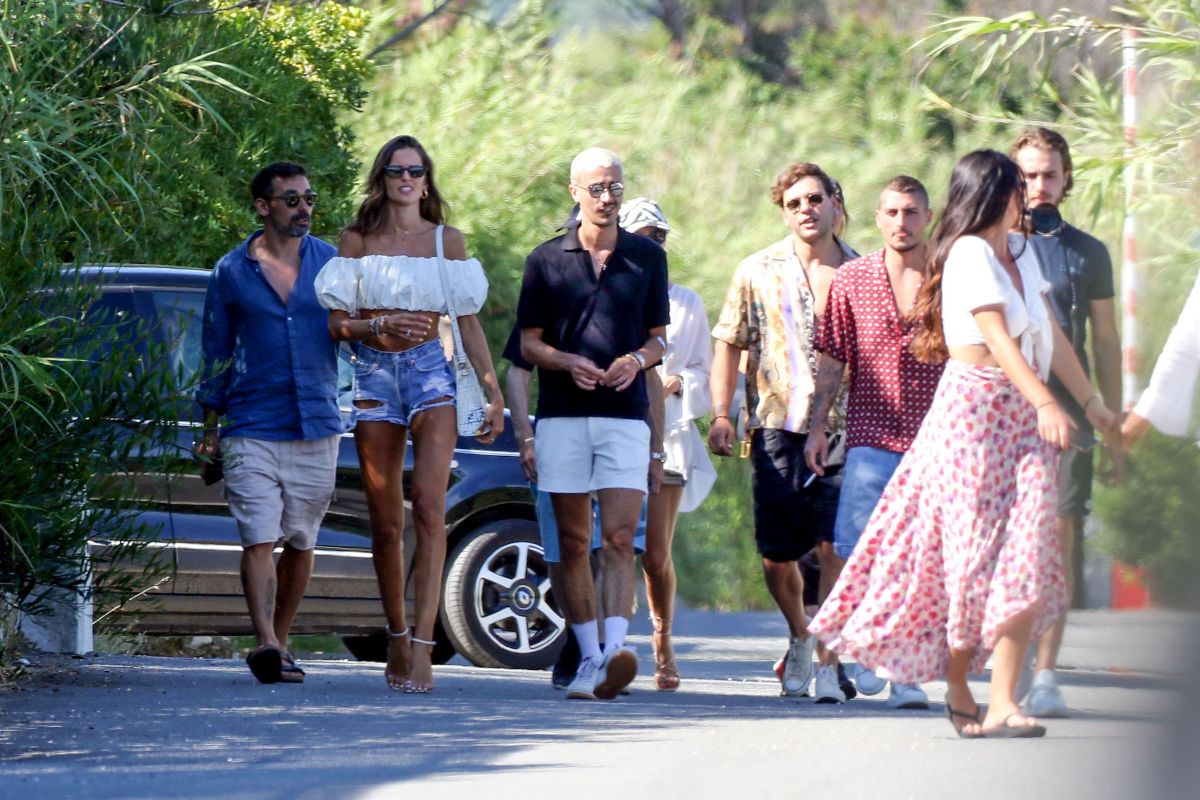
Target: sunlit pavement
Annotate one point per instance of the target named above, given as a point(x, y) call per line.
point(127, 727)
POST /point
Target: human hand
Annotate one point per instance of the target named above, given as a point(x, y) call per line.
point(493, 422)
point(1054, 426)
point(672, 384)
point(816, 450)
point(411, 326)
point(655, 475)
point(1133, 429)
point(208, 447)
point(528, 459)
point(584, 372)
point(1112, 465)
point(621, 373)
point(721, 436)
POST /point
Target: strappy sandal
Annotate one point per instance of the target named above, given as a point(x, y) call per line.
point(397, 682)
point(288, 671)
point(666, 671)
point(412, 687)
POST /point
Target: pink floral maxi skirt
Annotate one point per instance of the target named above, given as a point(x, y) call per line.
point(963, 539)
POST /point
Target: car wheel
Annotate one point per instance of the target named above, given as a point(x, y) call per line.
point(498, 608)
point(373, 646)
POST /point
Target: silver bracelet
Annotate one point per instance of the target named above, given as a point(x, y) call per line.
point(373, 325)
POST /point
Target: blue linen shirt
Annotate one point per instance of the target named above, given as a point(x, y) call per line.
point(280, 377)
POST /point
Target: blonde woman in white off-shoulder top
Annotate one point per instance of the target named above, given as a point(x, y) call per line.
point(384, 291)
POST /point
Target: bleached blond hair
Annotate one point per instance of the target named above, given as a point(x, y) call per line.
point(591, 158)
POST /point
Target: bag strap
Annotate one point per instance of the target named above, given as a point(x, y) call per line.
point(460, 355)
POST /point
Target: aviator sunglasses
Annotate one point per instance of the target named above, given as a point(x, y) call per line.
point(597, 190)
point(292, 198)
point(398, 170)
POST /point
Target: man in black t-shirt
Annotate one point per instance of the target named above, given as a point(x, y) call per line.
point(593, 313)
point(1079, 271)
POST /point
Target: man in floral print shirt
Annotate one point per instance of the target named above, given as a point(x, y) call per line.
point(771, 312)
point(866, 333)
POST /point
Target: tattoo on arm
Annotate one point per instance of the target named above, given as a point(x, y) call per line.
point(829, 378)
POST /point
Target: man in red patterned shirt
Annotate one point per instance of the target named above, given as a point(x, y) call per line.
point(866, 331)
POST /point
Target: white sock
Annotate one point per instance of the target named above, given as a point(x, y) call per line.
point(615, 629)
point(588, 636)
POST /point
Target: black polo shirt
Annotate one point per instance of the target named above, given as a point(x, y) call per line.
point(600, 319)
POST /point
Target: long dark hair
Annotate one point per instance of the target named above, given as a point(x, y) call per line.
point(369, 218)
point(981, 186)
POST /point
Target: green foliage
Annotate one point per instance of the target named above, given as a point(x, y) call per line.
point(128, 132)
point(504, 106)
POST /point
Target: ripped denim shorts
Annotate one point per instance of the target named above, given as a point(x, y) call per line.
point(398, 386)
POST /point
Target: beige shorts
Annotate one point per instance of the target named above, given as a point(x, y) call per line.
point(279, 491)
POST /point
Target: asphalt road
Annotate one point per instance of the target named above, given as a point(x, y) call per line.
point(139, 727)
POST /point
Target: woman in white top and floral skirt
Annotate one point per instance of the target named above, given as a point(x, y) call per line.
point(384, 290)
point(960, 559)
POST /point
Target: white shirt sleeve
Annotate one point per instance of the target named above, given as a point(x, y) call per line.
point(337, 284)
point(1167, 401)
point(970, 278)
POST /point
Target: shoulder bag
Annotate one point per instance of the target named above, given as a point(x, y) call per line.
point(469, 400)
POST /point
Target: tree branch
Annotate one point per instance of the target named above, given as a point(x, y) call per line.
point(410, 29)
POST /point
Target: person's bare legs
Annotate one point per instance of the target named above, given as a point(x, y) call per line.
point(259, 584)
point(292, 571)
point(619, 512)
point(434, 433)
point(958, 691)
point(659, 570)
point(1010, 650)
point(576, 592)
point(381, 456)
point(1050, 642)
point(831, 569)
point(787, 589)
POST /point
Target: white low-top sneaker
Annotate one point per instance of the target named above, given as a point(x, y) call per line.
point(908, 696)
point(798, 667)
point(584, 685)
point(828, 690)
point(1045, 699)
point(867, 682)
point(617, 670)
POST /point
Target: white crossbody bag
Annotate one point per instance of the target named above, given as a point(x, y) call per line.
point(469, 400)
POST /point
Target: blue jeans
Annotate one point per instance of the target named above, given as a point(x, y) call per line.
point(403, 384)
point(864, 477)
point(548, 527)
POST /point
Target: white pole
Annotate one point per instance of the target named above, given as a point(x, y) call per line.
point(1129, 271)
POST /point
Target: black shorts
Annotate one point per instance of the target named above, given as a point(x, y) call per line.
point(1075, 483)
point(789, 518)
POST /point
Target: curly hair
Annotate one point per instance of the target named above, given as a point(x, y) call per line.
point(790, 175)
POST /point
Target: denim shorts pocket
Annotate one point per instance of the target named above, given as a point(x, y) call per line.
point(365, 367)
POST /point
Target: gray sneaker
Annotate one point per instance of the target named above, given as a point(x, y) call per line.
point(828, 690)
point(584, 685)
point(1045, 698)
point(867, 682)
point(907, 696)
point(617, 670)
point(798, 667)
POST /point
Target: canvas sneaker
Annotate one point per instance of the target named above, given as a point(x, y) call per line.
point(584, 685)
point(1045, 698)
point(617, 670)
point(828, 690)
point(868, 682)
point(907, 696)
point(798, 667)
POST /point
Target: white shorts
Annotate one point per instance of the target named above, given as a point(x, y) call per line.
point(576, 455)
point(279, 491)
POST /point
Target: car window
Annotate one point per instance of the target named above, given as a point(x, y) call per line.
point(117, 308)
point(179, 315)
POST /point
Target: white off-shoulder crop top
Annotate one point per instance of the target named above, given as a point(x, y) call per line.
point(410, 283)
point(973, 278)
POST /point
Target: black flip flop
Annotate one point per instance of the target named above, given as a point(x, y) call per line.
point(289, 672)
point(1008, 731)
point(951, 713)
point(266, 663)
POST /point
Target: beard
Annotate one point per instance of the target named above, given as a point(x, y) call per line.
point(292, 228)
point(906, 247)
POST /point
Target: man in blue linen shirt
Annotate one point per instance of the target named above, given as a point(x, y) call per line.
point(270, 392)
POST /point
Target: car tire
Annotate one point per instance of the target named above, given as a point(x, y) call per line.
point(373, 646)
point(498, 609)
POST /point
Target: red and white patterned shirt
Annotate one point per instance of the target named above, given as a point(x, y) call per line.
point(890, 390)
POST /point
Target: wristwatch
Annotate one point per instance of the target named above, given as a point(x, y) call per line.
point(659, 455)
point(638, 357)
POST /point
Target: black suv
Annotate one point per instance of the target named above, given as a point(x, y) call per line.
point(498, 609)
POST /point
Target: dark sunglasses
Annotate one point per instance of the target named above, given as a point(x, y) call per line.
point(398, 170)
point(292, 198)
point(814, 199)
point(657, 234)
point(597, 190)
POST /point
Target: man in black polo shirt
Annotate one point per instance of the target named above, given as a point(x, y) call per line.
point(593, 313)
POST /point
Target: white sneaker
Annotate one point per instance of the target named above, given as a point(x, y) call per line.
point(1045, 699)
point(617, 670)
point(867, 682)
point(828, 690)
point(907, 695)
point(798, 667)
point(584, 685)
